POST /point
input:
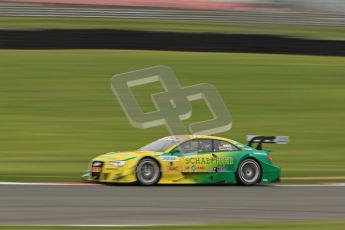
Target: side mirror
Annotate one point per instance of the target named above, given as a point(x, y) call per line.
point(175, 151)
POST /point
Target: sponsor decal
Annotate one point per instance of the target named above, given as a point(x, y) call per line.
point(260, 153)
point(173, 168)
point(225, 147)
point(194, 168)
point(169, 158)
point(219, 169)
point(210, 161)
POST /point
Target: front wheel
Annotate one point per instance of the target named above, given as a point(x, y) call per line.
point(248, 172)
point(148, 172)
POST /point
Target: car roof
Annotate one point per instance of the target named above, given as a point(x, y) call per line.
point(191, 137)
point(184, 138)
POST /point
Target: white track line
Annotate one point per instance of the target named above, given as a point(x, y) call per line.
point(315, 178)
point(100, 225)
point(311, 185)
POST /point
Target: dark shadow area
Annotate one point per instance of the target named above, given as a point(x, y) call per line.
point(169, 41)
point(184, 185)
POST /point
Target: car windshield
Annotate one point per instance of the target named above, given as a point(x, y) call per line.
point(164, 143)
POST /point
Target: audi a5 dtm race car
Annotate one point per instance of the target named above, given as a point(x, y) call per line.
point(189, 159)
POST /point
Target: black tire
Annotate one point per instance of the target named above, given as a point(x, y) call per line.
point(248, 172)
point(148, 172)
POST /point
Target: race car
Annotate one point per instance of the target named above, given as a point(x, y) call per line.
point(189, 159)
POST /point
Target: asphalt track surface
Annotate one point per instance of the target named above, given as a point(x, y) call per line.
point(135, 205)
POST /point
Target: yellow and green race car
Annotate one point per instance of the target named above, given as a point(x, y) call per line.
point(189, 159)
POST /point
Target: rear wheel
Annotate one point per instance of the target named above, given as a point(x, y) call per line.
point(249, 172)
point(148, 172)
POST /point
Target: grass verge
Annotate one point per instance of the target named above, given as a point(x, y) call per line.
point(58, 111)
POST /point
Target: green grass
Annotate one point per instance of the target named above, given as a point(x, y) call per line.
point(34, 23)
point(334, 225)
point(57, 110)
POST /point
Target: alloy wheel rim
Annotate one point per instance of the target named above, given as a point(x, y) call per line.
point(249, 171)
point(148, 172)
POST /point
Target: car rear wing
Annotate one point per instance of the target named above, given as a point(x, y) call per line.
point(266, 139)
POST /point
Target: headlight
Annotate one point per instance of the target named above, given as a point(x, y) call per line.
point(97, 164)
point(117, 163)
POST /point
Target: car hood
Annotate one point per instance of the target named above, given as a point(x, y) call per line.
point(122, 156)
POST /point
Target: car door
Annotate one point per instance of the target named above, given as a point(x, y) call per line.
point(197, 155)
point(198, 161)
point(225, 152)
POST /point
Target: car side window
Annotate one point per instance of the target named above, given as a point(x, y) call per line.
point(205, 146)
point(189, 147)
point(196, 146)
point(223, 146)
